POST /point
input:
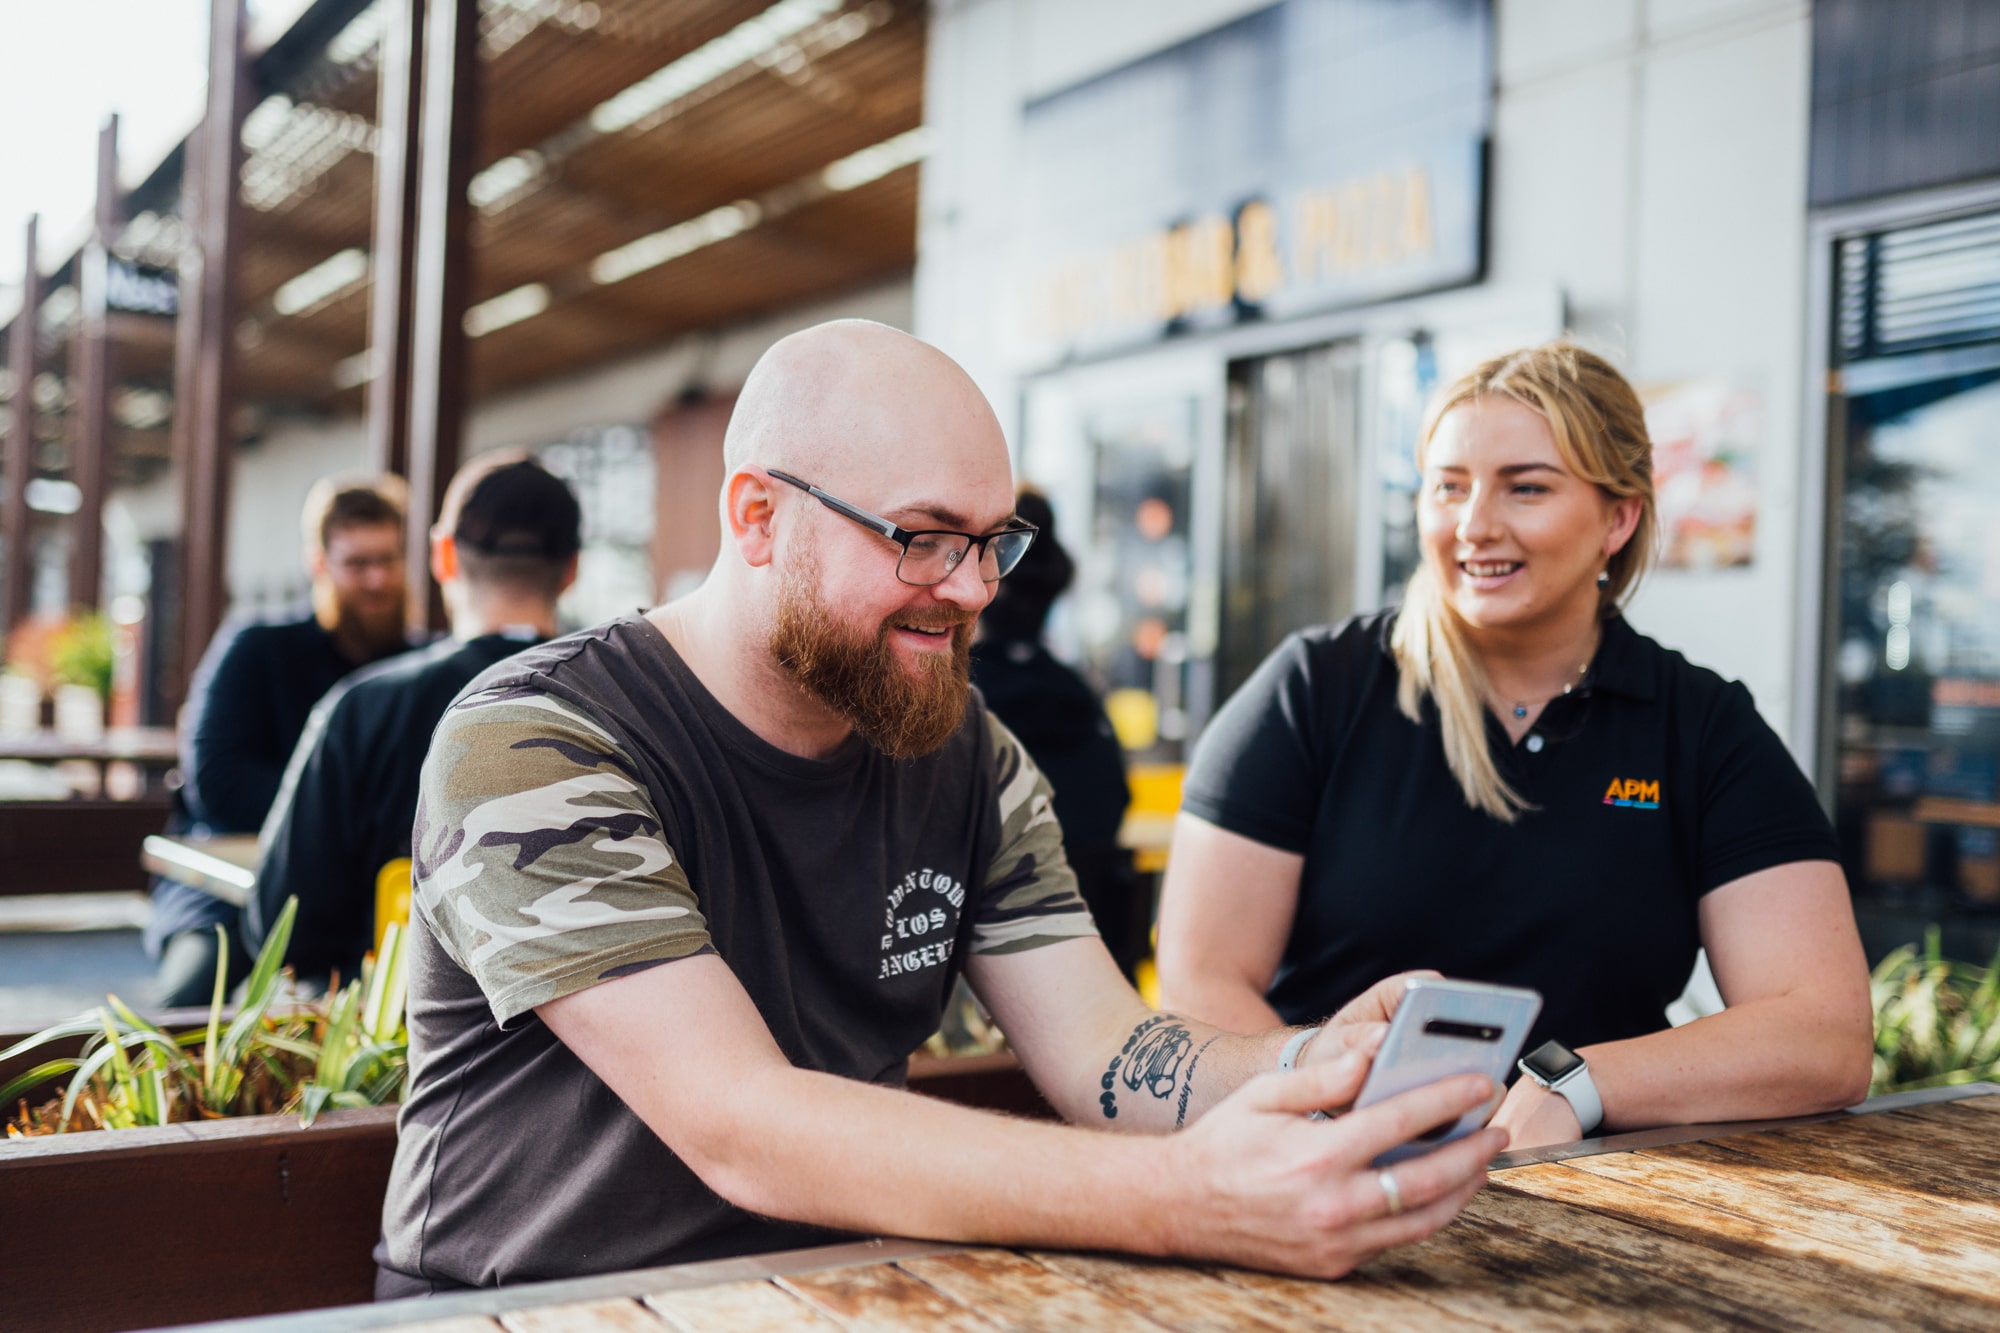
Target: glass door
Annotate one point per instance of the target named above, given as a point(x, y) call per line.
point(1917, 656)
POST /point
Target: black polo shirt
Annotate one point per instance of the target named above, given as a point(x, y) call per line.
point(1653, 783)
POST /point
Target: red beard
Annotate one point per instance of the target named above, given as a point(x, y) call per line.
point(900, 712)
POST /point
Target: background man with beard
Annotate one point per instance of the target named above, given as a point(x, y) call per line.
point(691, 885)
point(249, 699)
point(503, 550)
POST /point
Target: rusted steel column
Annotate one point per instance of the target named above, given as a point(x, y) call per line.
point(400, 76)
point(205, 353)
point(450, 110)
point(20, 549)
point(90, 371)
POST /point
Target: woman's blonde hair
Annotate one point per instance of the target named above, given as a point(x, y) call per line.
point(1600, 430)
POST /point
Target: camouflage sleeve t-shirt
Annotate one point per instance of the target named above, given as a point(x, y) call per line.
point(588, 811)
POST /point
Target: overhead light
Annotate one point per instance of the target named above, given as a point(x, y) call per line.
point(739, 46)
point(506, 308)
point(331, 277)
point(354, 371)
point(877, 161)
point(361, 36)
point(683, 238)
point(46, 495)
point(143, 409)
point(494, 186)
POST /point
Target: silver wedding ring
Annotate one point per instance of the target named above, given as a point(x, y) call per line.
point(1391, 1191)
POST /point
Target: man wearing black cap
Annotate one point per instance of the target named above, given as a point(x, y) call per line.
point(503, 550)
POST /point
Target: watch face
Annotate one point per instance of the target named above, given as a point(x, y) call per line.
point(1552, 1060)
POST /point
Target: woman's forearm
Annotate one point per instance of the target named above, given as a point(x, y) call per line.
point(1232, 1004)
point(1776, 1056)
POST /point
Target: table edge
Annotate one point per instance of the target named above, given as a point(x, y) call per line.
point(631, 1285)
point(1667, 1135)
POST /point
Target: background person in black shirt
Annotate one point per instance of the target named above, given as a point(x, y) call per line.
point(1055, 713)
point(248, 702)
point(1503, 781)
point(503, 550)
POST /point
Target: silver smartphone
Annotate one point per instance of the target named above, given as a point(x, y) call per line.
point(1444, 1028)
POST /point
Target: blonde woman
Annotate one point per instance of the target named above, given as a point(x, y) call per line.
point(1504, 781)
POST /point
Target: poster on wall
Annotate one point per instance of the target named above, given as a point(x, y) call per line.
point(1706, 436)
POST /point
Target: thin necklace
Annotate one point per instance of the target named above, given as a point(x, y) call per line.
point(1521, 706)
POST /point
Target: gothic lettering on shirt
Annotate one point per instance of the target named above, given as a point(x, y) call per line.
point(920, 922)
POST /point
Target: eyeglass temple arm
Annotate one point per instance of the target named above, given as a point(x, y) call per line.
point(840, 506)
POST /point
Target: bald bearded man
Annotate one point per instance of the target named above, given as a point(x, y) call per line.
point(691, 885)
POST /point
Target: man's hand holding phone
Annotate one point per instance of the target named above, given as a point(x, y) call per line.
point(1272, 1188)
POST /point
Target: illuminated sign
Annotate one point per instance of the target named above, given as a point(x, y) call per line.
point(140, 289)
point(1318, 154)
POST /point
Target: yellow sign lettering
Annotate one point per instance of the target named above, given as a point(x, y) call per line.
point(1259, 272)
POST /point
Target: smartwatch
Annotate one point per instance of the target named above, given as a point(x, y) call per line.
point(1565, 1073)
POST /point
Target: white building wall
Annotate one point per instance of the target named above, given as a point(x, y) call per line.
point(1649, 161)
point(273, 475)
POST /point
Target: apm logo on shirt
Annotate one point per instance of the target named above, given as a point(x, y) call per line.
point(918, 925)
point(1634, 793)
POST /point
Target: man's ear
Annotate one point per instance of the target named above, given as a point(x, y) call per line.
point(316, 562)
point(569, 571)
point(749, 509)
point(444, 557)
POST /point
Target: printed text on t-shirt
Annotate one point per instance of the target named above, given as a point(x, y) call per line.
point(919, 923)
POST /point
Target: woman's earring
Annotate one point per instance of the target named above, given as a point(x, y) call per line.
point(1603, 578)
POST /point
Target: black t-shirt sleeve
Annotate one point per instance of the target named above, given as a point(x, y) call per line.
point(1258, 769)
point(1757, 809)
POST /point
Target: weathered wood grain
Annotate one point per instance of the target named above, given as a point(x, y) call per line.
point(1949, 1224)
point(456, 1324)
point(1525, 1268)
point(1359, 1303)
point(1783, 1291)
point(1894, 1158)
point(614, 1316)
point(881, 1298)
point(1938, 1261)
point(1828, 1266)
point(759, 1306)
point(1185, 1298)
point(1016, 1291)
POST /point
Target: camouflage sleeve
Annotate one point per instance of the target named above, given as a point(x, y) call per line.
point(1031, 897)
point(539, 860)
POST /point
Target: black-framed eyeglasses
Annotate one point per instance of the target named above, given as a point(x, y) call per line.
point(930, 556)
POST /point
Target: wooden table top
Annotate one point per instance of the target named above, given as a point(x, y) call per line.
point(1889, 1219)
point(145, 745)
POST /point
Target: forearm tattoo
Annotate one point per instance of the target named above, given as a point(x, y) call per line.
point(1151, 1060)
point(1187, 1083)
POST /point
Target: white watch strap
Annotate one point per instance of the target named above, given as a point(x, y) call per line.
point(1577, 1089)
point(1288, 1058)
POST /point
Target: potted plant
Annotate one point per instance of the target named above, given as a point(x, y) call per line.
point(248, 1151)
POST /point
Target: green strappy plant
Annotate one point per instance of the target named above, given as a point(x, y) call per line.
point(349, 1048)
point(1937, 1022)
